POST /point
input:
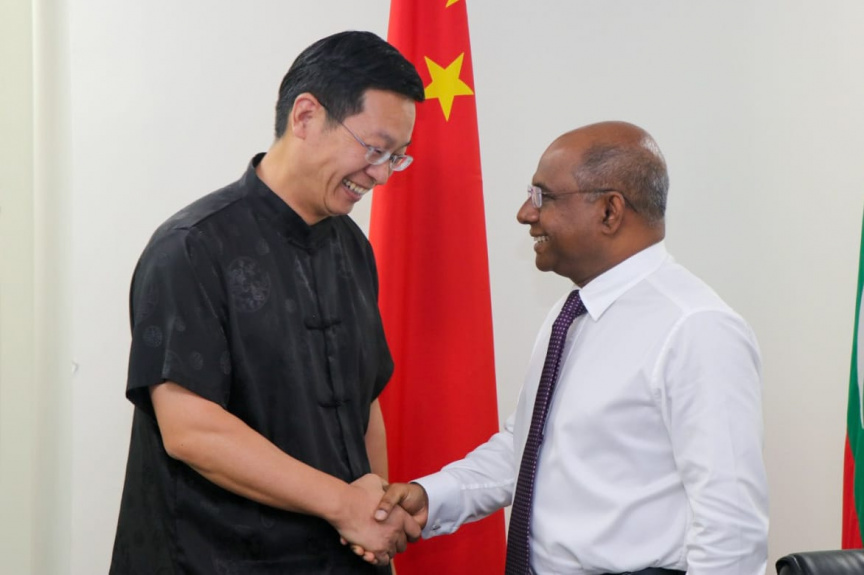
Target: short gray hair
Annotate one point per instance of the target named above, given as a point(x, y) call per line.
point(637, 171)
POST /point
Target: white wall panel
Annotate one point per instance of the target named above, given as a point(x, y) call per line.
point(757, 106)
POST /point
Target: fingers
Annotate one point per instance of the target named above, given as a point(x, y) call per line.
point(395, 495)
point(411, 528)
point(406, 530)
point(390, 531)
point(401, 545)
point(367, 556)
point(413, 499)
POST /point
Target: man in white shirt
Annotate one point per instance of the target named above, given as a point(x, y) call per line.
point(651, 460)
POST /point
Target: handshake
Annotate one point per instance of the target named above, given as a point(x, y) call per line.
point(379, 520)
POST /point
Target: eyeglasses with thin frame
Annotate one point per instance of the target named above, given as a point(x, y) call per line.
point(537, 194)
point(375, 155)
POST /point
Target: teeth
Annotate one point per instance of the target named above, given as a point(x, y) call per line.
point(354, 187)
point(541, 239)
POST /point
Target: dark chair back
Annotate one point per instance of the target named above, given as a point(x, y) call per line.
point(845, 562)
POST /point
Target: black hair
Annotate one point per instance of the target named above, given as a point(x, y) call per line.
point(339, 69)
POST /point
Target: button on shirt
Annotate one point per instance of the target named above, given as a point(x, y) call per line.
point(653, 447)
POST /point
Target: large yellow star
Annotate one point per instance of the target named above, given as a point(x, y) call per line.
point(446, 84)
point(450, 3)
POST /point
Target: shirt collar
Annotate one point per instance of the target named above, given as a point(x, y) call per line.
point(602, 291)
point(288, 223)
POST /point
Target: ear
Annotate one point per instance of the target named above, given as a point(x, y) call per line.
point(614, 206)
point(306, 106)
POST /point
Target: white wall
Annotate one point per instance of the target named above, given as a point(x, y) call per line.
point(757, 106)
point(16, 286)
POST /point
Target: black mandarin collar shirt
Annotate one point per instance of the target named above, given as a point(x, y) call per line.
point(240, 301)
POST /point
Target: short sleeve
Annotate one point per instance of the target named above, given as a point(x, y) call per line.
point(178, 326)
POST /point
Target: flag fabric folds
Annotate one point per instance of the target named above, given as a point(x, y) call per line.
point(429, 235)
point(853, 473)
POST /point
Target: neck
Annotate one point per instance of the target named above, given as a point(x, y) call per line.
point(278, 172)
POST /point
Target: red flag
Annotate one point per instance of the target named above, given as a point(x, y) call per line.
point(853, 468)
point(429, 234)
point(851, 533)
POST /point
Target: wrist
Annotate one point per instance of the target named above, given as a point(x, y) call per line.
point(337, 504)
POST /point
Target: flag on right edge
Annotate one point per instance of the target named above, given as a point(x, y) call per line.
point(853, 468)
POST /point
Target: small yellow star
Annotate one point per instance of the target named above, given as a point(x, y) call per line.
point(450, 3)
point(446, 84)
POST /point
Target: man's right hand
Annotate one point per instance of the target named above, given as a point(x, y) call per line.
point(381, 539)
point(401, 499)
point(409, 496)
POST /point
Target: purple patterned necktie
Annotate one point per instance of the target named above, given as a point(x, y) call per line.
point(518, 549)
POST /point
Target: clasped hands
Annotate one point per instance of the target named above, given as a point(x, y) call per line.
point(383, 518)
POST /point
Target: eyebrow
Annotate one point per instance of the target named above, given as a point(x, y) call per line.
point(389, 140)
point(543, 187)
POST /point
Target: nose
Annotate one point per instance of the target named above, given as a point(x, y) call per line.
point(380, 173)
point(527, 213)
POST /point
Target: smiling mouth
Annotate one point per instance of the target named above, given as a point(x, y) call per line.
point(358, 190)
point(540, 239)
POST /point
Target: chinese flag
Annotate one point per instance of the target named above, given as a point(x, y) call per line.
point(429, 235)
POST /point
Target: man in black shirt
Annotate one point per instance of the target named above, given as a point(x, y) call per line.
point(257, 350)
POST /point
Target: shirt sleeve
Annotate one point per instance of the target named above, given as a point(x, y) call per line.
point(176, 305)
point(472, 488)
point(711, 383)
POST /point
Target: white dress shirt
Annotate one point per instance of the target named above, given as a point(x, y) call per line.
point(653, 449)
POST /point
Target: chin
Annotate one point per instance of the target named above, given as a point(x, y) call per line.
point(348, 205)
point(542, 266)
point(341, 207)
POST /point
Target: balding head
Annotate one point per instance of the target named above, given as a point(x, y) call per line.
point(623, 157)
point(602, 195)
